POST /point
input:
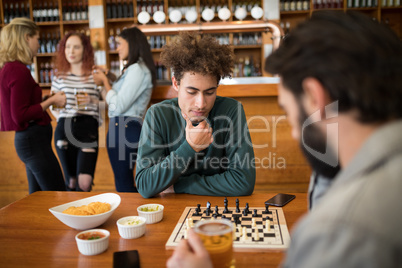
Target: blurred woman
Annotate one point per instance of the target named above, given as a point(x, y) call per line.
point(128, 100)
point(76, 135)
point(22, 108)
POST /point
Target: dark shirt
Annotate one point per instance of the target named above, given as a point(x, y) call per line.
point(20, 98)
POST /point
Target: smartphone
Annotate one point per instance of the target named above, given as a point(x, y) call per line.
point(280, 200)
point(126, 259)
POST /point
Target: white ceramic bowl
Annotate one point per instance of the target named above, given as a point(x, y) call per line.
point(90, 221)
point(131, 231)
point(151, 216)
point(94, 246)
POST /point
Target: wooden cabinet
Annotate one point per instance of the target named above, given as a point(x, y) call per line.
point(251, 45)
point(386, 11)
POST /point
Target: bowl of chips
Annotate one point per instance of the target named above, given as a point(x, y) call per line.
point(87, 213)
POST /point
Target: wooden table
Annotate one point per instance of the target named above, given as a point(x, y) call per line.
point(30, 236)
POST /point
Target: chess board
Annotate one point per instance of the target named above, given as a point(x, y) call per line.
point(277, 238)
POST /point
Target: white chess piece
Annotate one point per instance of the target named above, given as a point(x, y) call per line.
point(267, 225)
point(256, 234)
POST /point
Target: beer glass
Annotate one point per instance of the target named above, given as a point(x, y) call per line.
point(82, 98)
point(54, 106)
point(217, 237)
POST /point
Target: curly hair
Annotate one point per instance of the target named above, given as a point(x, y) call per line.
point(61, 63)
point(202, 54)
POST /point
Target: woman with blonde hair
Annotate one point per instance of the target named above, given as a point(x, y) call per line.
point(22, 108)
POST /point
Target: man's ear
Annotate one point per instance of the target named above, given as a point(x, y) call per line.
point(315, 96)
point(175, 83)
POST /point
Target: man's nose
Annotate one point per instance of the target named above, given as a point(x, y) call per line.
point(200, 101)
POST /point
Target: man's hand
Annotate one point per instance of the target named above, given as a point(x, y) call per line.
point(199, 137)
point(190, 253)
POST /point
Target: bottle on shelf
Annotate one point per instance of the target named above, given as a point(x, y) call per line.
point(111, 40)
point(114, 9)
point(247, 67)
point(119, 9)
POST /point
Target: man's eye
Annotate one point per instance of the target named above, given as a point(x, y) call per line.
point(210, 93)
point(191, 92)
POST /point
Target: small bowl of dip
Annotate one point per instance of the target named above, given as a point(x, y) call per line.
point(152, 212)
point(131, 227)
point(92, 242)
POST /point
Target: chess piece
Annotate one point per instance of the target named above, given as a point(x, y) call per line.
point(256, 234)
point(255, 213)
point(237, 205)
point(267, 225)
point(247, 208)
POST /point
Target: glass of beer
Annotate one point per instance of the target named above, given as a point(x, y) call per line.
point(217, 237)
point(54, 106)
point(82, 98)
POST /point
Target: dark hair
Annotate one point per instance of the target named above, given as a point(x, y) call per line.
point(138, 47)
point(200, 54)
point(63, 66)
point(356, 59)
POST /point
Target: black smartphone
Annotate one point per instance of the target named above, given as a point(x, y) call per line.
point(280, 200)
point(126, 259)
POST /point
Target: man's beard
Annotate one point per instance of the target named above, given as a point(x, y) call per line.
point(317, 141)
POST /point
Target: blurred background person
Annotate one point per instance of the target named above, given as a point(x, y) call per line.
point(22, 107)
point(76, 134)
point(128, 100)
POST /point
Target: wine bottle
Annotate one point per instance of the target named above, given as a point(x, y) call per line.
point(111, 40)
point(108, 9)
point(114, 9)
point(119, 9)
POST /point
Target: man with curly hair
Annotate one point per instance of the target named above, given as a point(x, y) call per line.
point(197, 143)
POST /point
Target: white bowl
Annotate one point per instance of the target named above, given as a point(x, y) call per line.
point(208, 14)
point(151, 216)
point(131, 231)
point(257, 12)
point(143, 17)
point(224, 13)
point(240, 13)
point(94, 246)
point(175, 16)
point(90, 221)
point(159, 16)
point(191, 15)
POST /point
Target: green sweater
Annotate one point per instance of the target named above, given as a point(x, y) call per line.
point(165, 158)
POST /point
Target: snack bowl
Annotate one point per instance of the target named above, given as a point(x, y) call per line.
point(131, 227)
point(88, 221)
point(92, 242)
point(153, 213)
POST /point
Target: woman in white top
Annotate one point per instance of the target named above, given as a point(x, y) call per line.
point(76, 134)
point(128, 100)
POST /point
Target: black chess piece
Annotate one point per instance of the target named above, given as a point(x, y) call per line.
point(245, 212)
point(255, 213)
point(226, 208)
point(237, 205)
point(247, 208)
point(208, 209)
point(266, 211)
